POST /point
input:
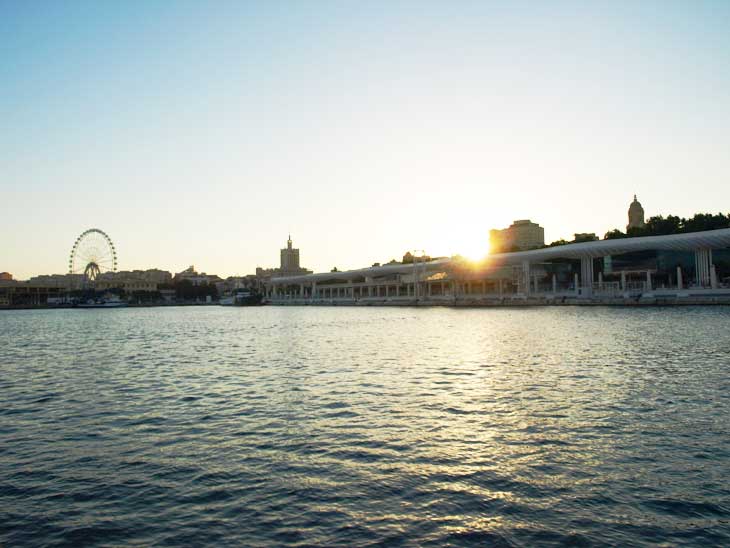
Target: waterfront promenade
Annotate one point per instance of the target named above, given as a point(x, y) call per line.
point(672, 269)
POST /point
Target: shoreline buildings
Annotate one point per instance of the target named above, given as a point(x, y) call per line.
point(651, 269)
point(671, 268)
point(519, 236)
point(665, 269)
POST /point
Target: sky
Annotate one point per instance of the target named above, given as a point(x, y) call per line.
point(203, 133)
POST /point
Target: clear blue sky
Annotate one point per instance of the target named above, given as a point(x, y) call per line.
point(203, 132)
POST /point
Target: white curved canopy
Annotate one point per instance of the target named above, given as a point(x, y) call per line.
point(437, 265)
point(710, 239)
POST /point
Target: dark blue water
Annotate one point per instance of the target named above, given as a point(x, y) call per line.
point(365, 426)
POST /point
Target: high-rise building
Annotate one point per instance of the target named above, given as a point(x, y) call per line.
point(289, 258)
point(519, 236)
point(288, 264)
point(636, 215)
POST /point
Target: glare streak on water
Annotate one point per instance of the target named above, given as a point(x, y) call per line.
point(363, 426)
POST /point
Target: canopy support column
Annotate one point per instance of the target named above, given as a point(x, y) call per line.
point(586, 274)
point(702, 267)
point(679, 278)
point(526, 277)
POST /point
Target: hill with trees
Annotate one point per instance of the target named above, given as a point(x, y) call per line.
point(672, 224)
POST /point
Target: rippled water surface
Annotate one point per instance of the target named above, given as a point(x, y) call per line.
point(365, 426)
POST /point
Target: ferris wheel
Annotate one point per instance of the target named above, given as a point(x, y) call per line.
point(93, 253)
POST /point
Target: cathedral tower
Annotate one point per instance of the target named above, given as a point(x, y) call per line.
point(636, 215)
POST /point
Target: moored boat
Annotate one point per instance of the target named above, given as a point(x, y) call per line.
point(107, 301)
point(242, 297)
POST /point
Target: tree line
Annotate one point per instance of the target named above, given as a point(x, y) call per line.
point(657, 226)
point(672, 224)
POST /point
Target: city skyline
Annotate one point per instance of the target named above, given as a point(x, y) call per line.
point(201, 136)
point(289, 263)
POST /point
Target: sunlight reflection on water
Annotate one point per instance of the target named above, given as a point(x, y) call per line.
point(273, 426)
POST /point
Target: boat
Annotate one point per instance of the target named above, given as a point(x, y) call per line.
point(242, 297)
point(107, 301)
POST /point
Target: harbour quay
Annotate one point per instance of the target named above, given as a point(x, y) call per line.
point(689, 268)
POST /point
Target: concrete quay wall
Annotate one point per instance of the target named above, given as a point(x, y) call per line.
point(706, 297)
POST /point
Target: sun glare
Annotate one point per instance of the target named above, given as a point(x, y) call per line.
point(475, 251)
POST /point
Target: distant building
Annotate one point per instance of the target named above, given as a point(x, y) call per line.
point(196, 278)
point(136, 280)
point(14, 293)
point(233, 283)
point(409, 258)
point(68, 282)
point(289, 258)
point(155, 275)
point(265, 273)
point(520, 236)
point(585, 237)
point(6, 276)
point(288, 264)
point(636, 215)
